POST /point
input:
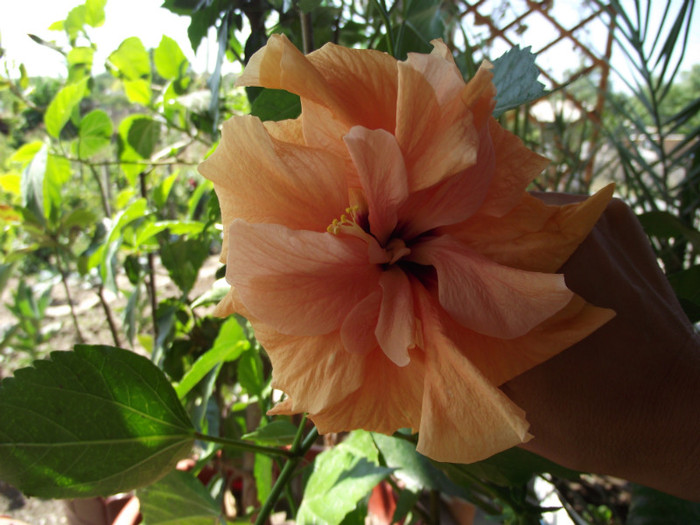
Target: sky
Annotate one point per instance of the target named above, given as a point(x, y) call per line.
point(147, 20)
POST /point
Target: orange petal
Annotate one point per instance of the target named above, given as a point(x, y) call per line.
point(382, 174)
point(437, 140)
point(363, 82)
point(389, 398)
point(487, 297)
point(453, 200)
point(355, 333)
point(262, 179)
point(396, 327)
point(500, 360)
point(533, 236)
point(479, 95)
point(299, 282)
point(465, 418)
point(440, 70)
point(280, 65)
point(315, 371)
point(516, 167)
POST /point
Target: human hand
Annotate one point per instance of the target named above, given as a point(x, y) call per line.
point(624, 401)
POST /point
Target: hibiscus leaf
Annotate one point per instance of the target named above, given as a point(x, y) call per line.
point(649, 506)
point(276, 104)
point(342, 477)
point(178, 499)
point(412, 468)
point(515, 77)
point(278, 432)
point(96, 421)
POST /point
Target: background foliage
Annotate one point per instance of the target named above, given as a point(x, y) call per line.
point(101, 198)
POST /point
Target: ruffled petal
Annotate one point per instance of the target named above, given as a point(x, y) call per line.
point(356, 333)
point(382, 175)
point(500, 360)
point(533, 236)
point(315, 371)
point(280, 65)
point(364, 84)
point(396, 327)
point(479, 95)
point(516, 167)
point(465, 418)
point(262, 179)
point(388, 399)
point(487, 297)
point(437, 140)
point(299, 282)
point(440, 70)
point(453, 200)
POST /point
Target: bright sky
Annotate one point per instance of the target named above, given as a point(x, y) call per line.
point(123, 18)
point(147, 20)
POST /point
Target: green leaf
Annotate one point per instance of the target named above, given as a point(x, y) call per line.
point(183, 258)
point(169, 59)
point(649, 507)
point(250, 372)
point(142, 135)
point(133, 66)
point(32, 183)
point(686, 284)
point(341, 478)
point(515, 77)
point(666, 226)
point(95, 12)
point(26, 153)
point(95, 133)
point(78, 218)
point(262, 470)
point(74, 22)
point(278, 432)
point(414, 469)
point(276, 104)
point(58, 173)
point(228, 346)
point(178, 499)
point(162, 190)
point(61, 107)
point(96, 421)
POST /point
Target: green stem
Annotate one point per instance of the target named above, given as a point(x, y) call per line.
point(387, 22)
point(245, 445)
point(299, 450)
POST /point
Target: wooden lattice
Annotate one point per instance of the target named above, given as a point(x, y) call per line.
point(580, 34)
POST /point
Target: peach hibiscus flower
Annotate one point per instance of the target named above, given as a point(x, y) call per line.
point(386, 252)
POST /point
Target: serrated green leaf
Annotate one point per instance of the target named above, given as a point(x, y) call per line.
point(74, 22)
point(276, 104)
point(61, 107)
point(341, 478)
point(162, 190)
point(515, 77)
point(143, 135)
point(169, 58)
point(96, 421)
point(278, 432)
point(95, 133)
point(178, 499)
point(228, 346)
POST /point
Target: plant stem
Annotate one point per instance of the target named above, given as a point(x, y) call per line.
point(298, 450)
point(245, 445)
point(110, 318)
point(64, 280)
point(151, 284)
point(387, 22)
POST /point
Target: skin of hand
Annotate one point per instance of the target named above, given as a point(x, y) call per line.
point(625, 401)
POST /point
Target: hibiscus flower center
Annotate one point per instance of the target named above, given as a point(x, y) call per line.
point(354, 222)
